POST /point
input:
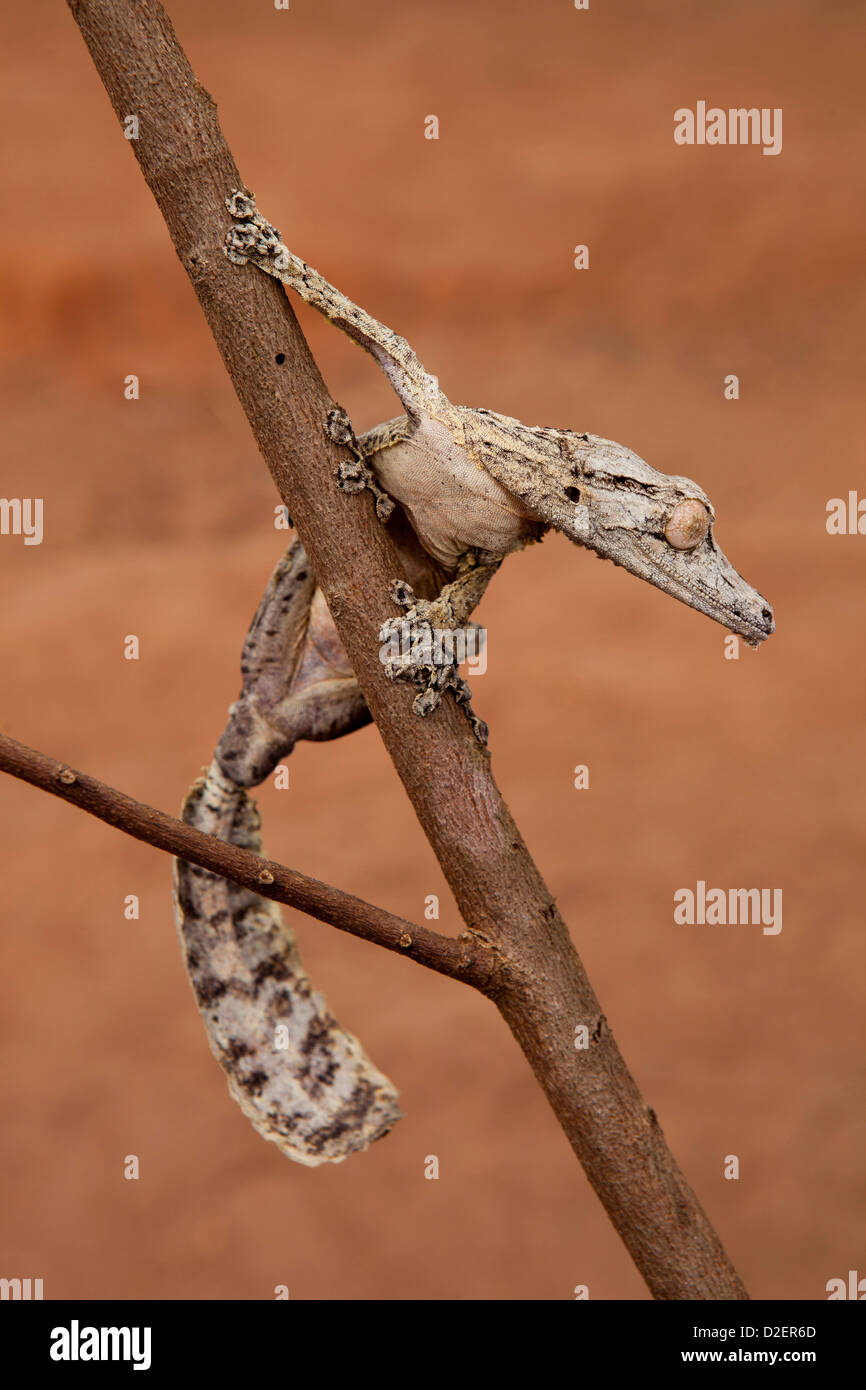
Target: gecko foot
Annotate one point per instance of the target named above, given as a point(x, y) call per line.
point(355, 474)
point(252, 234)
point(426, 647)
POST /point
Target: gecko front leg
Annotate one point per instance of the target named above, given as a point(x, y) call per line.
point(355, 474)
point(253, 239)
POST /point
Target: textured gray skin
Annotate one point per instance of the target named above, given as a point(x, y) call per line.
point(319, 1098)
point(474, 481)
point(475, 486)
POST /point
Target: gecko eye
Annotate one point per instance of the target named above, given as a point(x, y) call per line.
point(689, 523)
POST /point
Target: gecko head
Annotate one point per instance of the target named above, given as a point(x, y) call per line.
point(660, 528)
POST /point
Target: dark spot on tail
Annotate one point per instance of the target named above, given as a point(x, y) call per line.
point(274, 968)
point(254, 1083)
point(234, 1050)
point(209, 989)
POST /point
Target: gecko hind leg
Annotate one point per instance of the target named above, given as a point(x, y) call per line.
point(297, 679)
point(427, 644)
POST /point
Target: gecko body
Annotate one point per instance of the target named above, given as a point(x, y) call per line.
point(475, 486)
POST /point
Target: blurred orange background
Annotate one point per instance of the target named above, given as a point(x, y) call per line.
point(556, 129)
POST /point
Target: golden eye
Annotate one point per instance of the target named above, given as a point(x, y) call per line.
point(689, 523)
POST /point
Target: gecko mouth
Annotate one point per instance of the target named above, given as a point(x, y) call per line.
point(706, 580)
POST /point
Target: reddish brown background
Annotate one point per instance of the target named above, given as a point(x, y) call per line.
point(556, 128)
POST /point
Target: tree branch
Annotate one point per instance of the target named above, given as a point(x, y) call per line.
point(458, 957)
point(542, 991)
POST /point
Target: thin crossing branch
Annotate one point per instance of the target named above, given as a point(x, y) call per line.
point(459, 958)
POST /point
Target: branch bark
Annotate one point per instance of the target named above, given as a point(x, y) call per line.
point(458, 957)
point(542, 990)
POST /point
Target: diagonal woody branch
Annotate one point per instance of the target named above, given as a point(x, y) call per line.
point(543, 991)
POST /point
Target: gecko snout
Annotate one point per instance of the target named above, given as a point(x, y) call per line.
point(762, 621)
